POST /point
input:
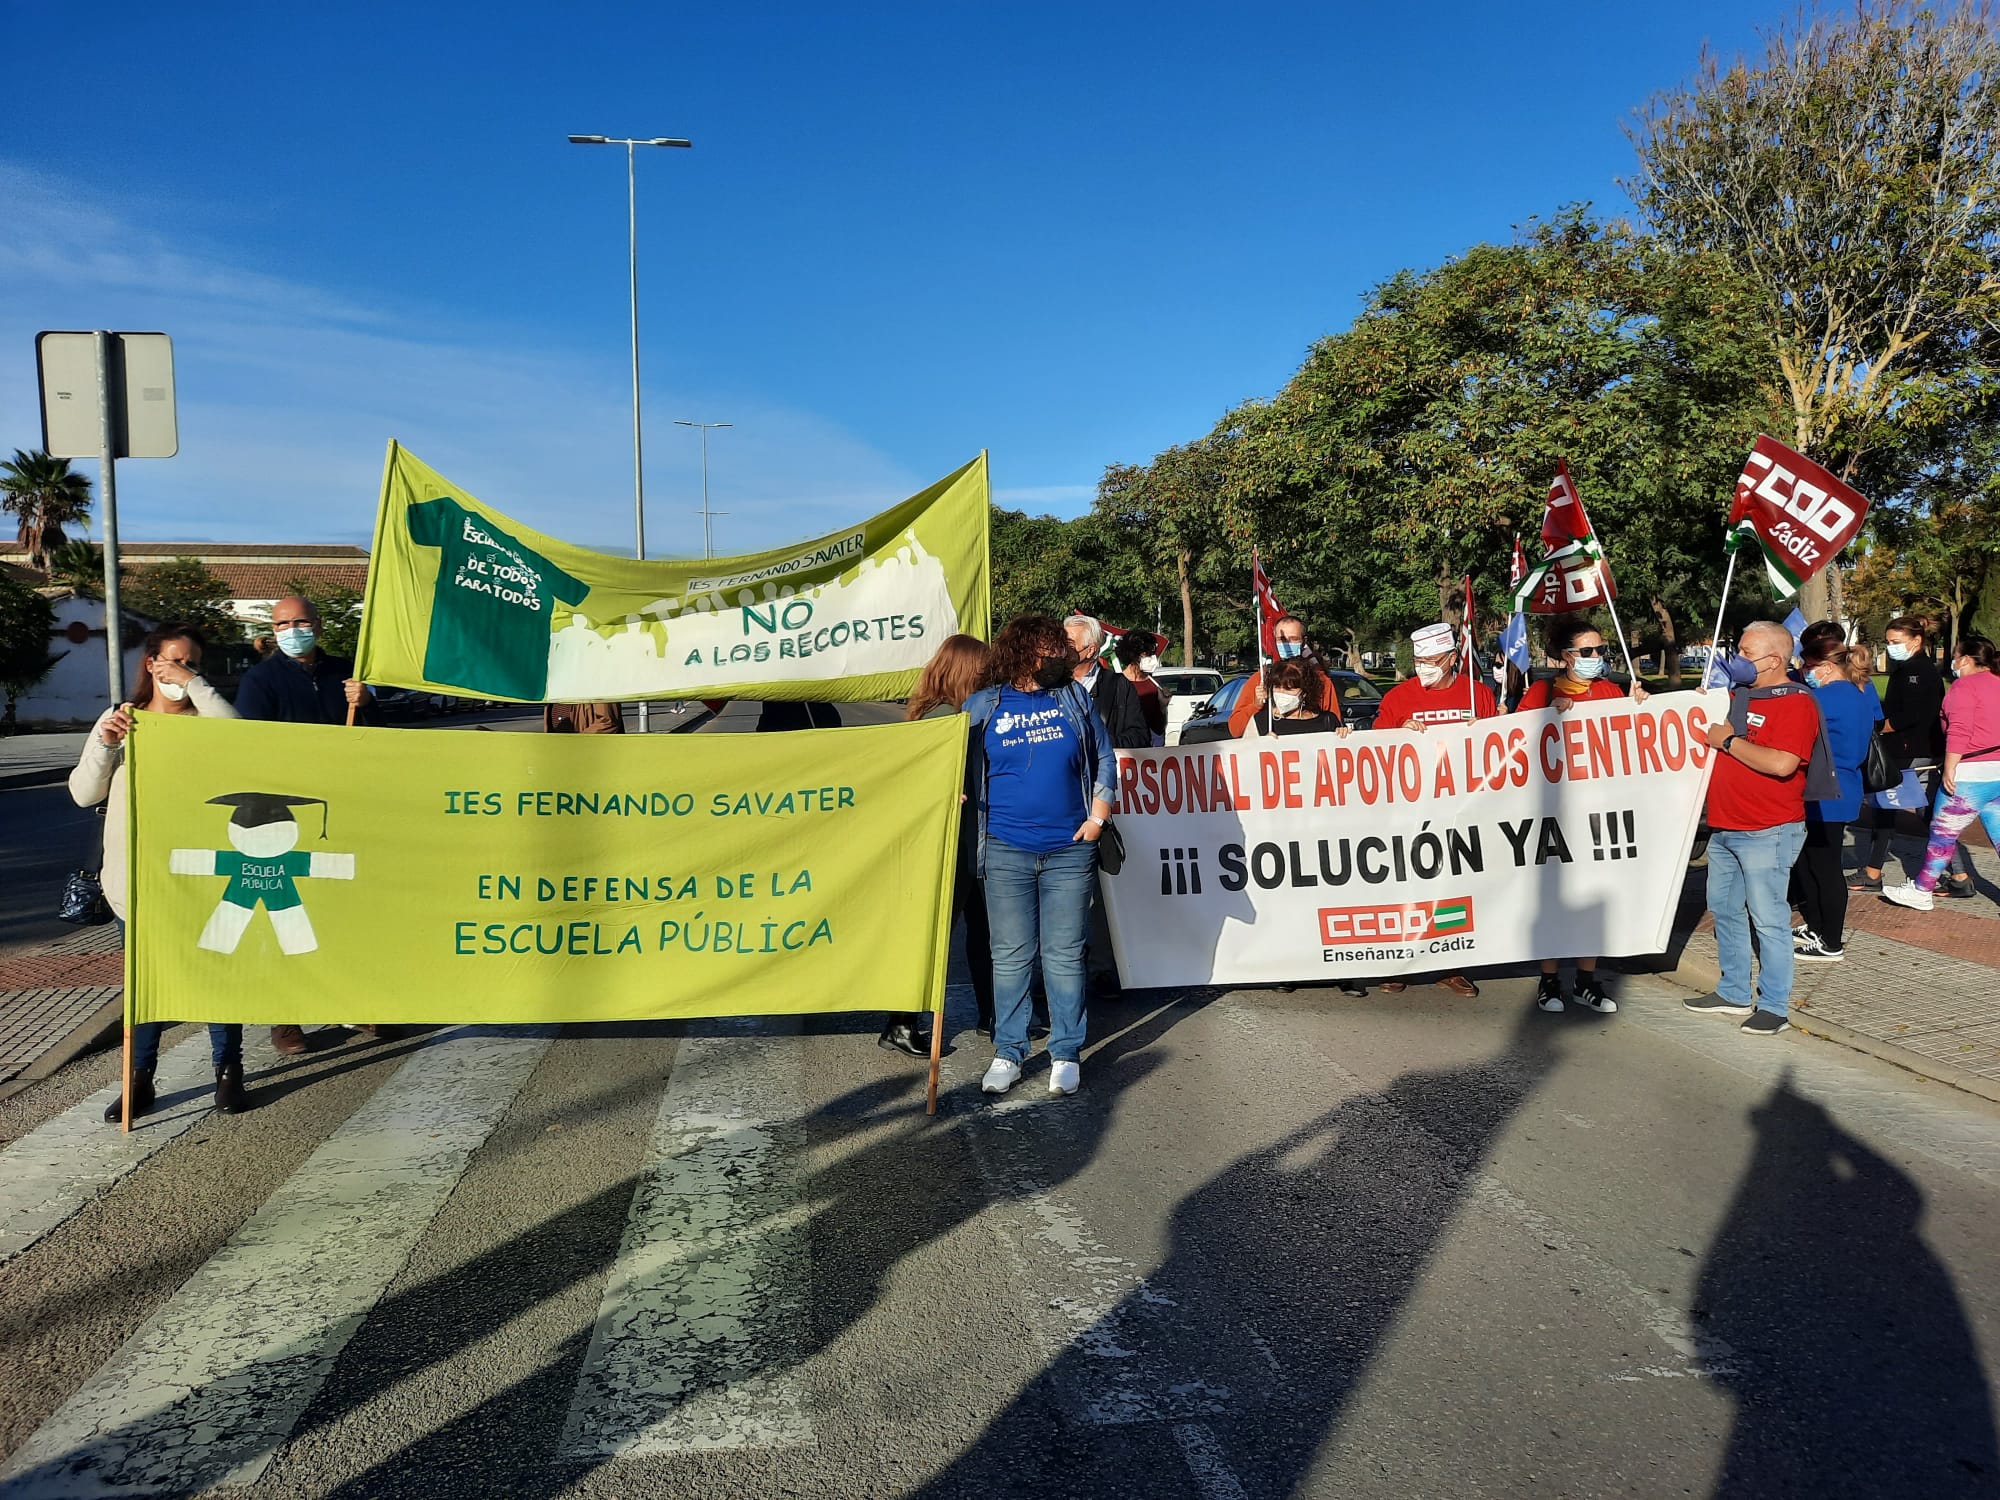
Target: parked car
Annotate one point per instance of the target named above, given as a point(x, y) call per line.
point(1360, 700)
point(1185, 688)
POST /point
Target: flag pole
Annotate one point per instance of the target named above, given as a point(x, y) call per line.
point(1715, 643)
point(1471, 658)
point(1604, 583)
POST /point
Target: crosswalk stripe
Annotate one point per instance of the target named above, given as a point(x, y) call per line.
point(62, 1164)
point(209, 1386)
point(698, 1330)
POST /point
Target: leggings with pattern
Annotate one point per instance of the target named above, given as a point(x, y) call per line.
point(1973, 799)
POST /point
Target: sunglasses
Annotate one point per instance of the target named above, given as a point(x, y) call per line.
point(1588, 650)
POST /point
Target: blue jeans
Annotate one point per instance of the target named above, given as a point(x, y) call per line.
point(225, 1044)
point(1039, 903)
point(1747, 878)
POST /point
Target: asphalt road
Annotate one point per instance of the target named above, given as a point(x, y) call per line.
point(1280, 1244)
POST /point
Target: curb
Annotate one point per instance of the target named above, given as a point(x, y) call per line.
point(1698, 978)
point(103, 1028)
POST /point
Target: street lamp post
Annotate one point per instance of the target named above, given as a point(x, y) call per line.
point(632, 223)
point(707, 545)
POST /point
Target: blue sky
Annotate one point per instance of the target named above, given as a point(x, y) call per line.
point(1070, 234)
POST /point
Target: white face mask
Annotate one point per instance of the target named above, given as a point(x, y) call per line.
point(1429, 673)
point(1587, 668)
point(1286, 704)
point(173, 692)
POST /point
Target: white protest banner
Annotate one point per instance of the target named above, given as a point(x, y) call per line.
point(1317, 857)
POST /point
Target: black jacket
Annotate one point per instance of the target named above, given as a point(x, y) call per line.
point(1914, 703)
point(292, 692)
point(1118, 706)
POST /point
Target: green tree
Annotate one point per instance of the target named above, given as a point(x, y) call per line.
point(1852, 173)
point(339, 614)
point(26, 619)
point(79, 567)
point(46, 497)
point(1174, 515)
point(1410, 449)
point(182, 590)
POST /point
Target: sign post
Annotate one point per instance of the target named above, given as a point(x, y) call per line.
point(132, 378)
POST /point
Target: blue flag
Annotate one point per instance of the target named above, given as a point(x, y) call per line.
point(1514, 641)
point(1796, 624)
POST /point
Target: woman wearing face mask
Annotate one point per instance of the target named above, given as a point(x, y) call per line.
point(1577, 647)
point(1971, 767)
point(170, 682)
point(1299, 697)
point(1913, 736)
point(1133, 648)
point(1840, 679)
point(1044, 775)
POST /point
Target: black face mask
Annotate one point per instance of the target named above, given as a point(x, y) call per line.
point(1054, 672)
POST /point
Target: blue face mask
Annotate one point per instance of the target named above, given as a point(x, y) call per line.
point(1740, 670)
point(1289, 649)
point(1588, 668)
point(297, 641)
point(1899, 652)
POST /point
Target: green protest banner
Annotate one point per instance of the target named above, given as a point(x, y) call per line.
point(462, 599)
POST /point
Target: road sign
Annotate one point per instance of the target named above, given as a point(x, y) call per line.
point(141, 390)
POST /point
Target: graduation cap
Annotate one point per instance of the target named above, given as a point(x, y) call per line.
point(255, 809)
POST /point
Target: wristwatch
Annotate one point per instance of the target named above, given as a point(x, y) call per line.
point(1723, 748)
point(1093, 818)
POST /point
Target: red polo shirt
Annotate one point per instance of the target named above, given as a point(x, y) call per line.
point(1744, 800)
point(1450, 702)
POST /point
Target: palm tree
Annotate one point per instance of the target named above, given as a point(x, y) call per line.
point(79, 566)
point(47, 496)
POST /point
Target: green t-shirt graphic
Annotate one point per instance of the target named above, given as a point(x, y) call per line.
point(270, 881)
point(490, 612)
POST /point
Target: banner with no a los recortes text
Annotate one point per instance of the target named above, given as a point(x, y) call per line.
point(1317, 857)
point(288, 872)
point(462, 599)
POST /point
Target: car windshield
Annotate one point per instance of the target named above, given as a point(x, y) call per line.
point(1191, 684)
point(1356, 689)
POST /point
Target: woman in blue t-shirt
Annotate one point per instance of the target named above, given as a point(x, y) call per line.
point(1839, 677)
point(1046, 774)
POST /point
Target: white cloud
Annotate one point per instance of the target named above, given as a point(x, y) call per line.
point(287, 395)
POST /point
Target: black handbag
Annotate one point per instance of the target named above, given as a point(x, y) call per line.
point(1879, 771)
point(1110, 850)
point(83, 903)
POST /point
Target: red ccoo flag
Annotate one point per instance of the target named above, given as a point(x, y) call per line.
point(1573, 574)
point(1269, 610)
point(1799, 514)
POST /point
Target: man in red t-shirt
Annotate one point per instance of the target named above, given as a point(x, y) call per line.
point(1438, 693)
point(1756, 814)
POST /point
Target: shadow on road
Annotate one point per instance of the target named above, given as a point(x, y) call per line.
point(1855, 1371)
point(1287, 1272)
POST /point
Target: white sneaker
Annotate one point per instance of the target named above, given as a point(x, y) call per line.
point(1909, 894)
point(1063, 1077)
point(1001, 1076)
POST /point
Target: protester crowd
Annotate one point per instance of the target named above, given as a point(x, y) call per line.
point(1047, 711)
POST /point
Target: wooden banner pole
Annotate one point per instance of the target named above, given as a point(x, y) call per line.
point(125, 1099)
point(937, 1056)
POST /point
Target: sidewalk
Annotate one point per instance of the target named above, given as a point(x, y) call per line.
point(1918, 989)
point(57, 1001)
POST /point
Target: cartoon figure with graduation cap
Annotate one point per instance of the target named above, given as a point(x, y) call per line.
point(264, 868)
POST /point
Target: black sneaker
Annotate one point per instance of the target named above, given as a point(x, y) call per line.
point(1351, 987)
point(1861, 880)
point(1808, 947)
point(1588, 992)
point(1713, 1004)
point(1963, 890)
point(1548, 994)
point(1765, 1023)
